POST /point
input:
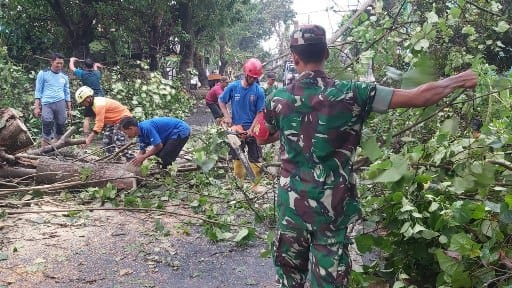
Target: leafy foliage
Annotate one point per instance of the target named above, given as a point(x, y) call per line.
point(436, 188)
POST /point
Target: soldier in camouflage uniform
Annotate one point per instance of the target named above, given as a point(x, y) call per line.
point(270, 86)
point(318, 122)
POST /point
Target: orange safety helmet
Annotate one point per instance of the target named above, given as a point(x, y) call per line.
point(253, 68)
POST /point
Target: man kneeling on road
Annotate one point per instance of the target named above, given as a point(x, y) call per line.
point(167, 135)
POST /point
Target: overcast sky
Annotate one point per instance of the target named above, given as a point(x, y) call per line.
point(318, 12)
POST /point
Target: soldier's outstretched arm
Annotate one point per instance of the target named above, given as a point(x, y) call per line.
point(430, 93)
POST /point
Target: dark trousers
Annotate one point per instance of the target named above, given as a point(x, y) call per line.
point(215, 108)
point(171, 150)
point(253, 150)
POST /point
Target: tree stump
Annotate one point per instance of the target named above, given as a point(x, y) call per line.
point(14, 135)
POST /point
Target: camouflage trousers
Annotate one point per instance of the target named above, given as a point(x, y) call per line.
point(305, 244)
point(113, 140)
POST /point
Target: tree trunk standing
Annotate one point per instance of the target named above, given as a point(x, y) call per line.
point(186, 42)
point(222, 53)
point(79, 31)
point(154, 41)
point(198, 64)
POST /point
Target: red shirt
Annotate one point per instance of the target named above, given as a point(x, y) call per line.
point(213, 95)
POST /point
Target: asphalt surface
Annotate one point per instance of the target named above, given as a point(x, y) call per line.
point(122, 249)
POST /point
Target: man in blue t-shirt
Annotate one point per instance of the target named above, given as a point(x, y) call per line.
point(52, 99)
point(90, 76)
point(247, 101)
point(166, 135)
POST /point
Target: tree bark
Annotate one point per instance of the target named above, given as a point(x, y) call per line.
point(14, 136)
point(80, 31)
point(187, 43)
point(64, 141)
point(51, 171)
point(222, 53)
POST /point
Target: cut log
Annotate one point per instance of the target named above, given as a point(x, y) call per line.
point(14, 135)
point(73, 171)
point(15, 172)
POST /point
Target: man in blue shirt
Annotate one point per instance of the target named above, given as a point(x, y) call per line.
point(166, 135)
point(52, 99)
point(247, 101)
point(90, 76)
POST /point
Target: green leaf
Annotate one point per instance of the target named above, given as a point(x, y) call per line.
point(468, 30)
point(463, 244)
point(421, 45)
point(505, 214)
point(405, 227)
point(448, 264)
point(432, 17)
point(417, 228)
point(464, 211)
point(364, 243)
point(371, 148)
point(502, 27)
point(489, 228)
point(241, 235)
point(3, 256)
point(429, 234)
point(433, 207)
point(407, 206)
point(450, 126)
point(461, 185)
point(398, 169)
point(508, 200)
point(461, 280)
point(485, 174)
point(455, 12)
point(131, 201)
point(422, 72)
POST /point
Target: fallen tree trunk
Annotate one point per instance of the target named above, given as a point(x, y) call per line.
point(15, 172)
point(69, 171)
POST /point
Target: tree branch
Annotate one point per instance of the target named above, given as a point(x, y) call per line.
point(430, 116)
point(483, 9)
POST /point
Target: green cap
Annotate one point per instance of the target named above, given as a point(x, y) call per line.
point(308, 34)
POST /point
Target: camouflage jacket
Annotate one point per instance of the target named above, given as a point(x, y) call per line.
point(320, 122)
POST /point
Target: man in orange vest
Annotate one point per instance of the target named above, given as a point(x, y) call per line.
point(108, 112)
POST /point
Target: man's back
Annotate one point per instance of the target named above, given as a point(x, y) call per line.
point(91, 78)
point(108, 112)
point(213, 95)
point(320, 124)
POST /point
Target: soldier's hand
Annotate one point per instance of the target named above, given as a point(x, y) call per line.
point(469, 78)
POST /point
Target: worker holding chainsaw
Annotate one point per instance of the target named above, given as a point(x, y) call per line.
point(247, 102)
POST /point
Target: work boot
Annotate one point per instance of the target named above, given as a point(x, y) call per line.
point(257, 171)
point(239, 169)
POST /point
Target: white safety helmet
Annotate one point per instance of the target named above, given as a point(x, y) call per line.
point(82, 93)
